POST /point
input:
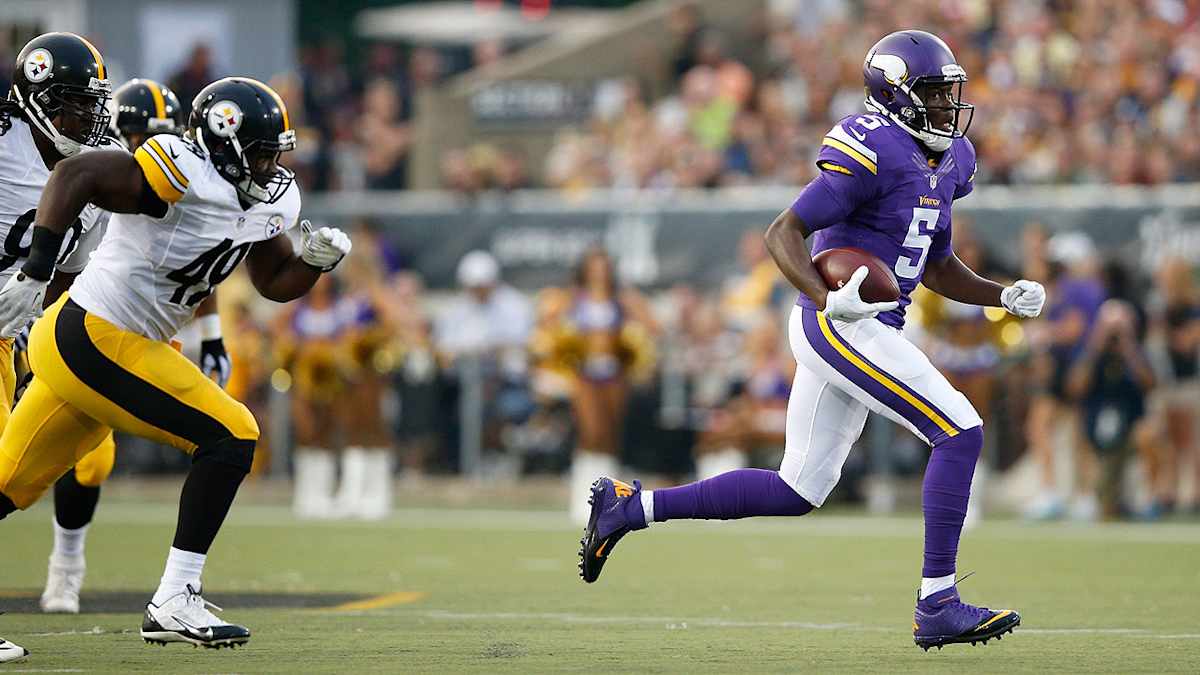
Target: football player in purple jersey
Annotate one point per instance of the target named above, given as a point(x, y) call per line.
point(888, 178)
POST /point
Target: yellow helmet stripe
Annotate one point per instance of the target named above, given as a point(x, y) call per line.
point(287, 123)
point(160, 105)
point(101, 71)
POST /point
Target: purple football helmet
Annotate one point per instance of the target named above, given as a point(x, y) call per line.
point(903, 70)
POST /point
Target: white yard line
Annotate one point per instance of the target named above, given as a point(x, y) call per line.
point(681, 623)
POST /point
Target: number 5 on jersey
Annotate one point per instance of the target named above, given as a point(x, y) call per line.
point(919, 237)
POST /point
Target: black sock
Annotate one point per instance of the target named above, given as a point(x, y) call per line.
point(207, 495)
point(6, 506)
point(74, 504)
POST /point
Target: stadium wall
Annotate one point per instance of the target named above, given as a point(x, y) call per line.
point(660, 239)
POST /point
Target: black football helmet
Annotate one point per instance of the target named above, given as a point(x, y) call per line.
point(142, 108)
point(62, 88)
point(243, 125)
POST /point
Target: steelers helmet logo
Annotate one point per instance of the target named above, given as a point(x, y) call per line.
point(224, 118)
point(39, 65)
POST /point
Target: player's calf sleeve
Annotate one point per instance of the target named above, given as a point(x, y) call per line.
point(944, 497)
point(74, 503)
point(208, 492)
point(737, 494)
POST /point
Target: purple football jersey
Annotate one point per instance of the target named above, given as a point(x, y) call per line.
point(880, 192)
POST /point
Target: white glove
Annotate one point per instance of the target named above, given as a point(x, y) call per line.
point(324, 248)
point(844, 304)
point(20, 302)
point(1024, 298)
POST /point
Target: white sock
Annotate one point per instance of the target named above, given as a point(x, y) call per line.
point(183, 568)
point(648, 506)
point(68, 543)
point(931, 586)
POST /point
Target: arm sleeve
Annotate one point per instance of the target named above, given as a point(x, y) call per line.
point(165, 163)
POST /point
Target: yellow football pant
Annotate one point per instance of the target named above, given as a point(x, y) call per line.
point(91, 377)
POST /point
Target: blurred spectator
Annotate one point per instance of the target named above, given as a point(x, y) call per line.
point(750, 293)
point(487, 317)
point(1111, 377)
point(195, 75)
point(608, 328)
point(1175, 405)
point(384, 137)
point(1075, 294)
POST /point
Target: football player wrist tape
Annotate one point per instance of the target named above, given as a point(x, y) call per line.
point(210, 326)
point(43, 252)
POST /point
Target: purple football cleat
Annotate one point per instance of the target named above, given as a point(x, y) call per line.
point(942, 619)
point(616, 511)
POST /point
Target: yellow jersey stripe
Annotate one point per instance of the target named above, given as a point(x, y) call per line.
point(830, 166)
point(157, 177)
point(287, 123)
point(158, 150)
point(101, 71)
point(850, 152)
point(160, 105)
point(883, 379)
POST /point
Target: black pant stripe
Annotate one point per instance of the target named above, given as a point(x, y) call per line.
point(136, 396)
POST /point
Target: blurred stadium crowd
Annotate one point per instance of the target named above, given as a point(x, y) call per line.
point(1067, 92)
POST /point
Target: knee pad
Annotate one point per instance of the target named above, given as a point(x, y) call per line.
point(97, 465)
point(235, 452)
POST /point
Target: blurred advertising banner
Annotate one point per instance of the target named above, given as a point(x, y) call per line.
point(692, 237)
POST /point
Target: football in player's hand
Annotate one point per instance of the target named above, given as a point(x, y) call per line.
point(837, 264)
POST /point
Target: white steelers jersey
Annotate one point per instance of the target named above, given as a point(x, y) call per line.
point(23, 176)
point(148, 274)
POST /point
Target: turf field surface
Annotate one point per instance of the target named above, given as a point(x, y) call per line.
point(456, 590)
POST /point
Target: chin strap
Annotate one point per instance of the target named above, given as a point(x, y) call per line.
point(65, 146)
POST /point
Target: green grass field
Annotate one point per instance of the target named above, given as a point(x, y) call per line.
point(468, 590)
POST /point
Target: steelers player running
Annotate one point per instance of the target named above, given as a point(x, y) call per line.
point(141, 108)
point(187, 211)
point(55, 109)
point(888, 180)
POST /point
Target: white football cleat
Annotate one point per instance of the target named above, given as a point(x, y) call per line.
point(185, 618)
point(10, 653)
point(63, 581)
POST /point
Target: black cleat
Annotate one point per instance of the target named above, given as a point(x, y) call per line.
point(942, 619)
point(616, 507)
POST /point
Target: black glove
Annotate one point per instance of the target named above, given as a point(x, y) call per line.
point(214, 360)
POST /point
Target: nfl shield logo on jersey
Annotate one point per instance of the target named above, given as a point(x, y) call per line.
point(274, 226)
point(933, 181)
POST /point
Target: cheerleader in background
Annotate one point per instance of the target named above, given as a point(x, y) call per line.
point(370, 358)
point(309, 333)
point(608, 327)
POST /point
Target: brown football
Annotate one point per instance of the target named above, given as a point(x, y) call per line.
point(837, 264)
